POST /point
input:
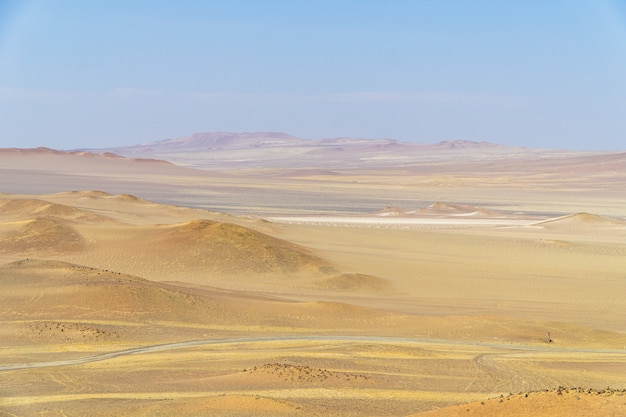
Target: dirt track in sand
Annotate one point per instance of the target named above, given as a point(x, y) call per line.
point(485, 361)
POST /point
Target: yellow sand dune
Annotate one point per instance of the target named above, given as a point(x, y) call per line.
point(46, 235)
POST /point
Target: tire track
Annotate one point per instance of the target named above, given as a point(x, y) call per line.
point(510, 378)
point(485, 361)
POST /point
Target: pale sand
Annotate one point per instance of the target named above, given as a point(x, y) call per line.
point(474, 299)
point(403, 223)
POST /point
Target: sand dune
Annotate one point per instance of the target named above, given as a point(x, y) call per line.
point(440, 208)
point(124, 208)
point(446, 210)
point(21, 209)
point(202, 251)
point(42, 236)
point(582, 221)
point(59, 290)
point(232, 248)
point(43, 151)
point(115, 232)
point(54, 296)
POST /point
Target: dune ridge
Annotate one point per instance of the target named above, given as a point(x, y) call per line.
point(43, 236)
point(21, 209)
point(196, 249)
point(43, 151)
point(205, 249)
point(582, 219)
point(55, 290)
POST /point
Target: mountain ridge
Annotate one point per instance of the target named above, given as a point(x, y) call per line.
point(281, 150)
point(231, 140)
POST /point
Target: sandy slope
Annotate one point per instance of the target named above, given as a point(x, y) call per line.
point(563, 402)
point(60, 295)
point(200, 250)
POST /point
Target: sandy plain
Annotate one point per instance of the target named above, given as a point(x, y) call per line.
point(369, 291)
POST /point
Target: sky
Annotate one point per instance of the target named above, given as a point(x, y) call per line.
point(103, 73)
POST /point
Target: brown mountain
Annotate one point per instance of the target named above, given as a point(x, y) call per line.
point(273, 149)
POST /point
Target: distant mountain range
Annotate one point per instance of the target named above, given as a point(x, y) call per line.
point(280, 150)
point(228, 140)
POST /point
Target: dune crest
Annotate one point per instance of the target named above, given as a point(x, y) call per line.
point(24, 209)
point(233, 249)
point(59, 293)
point(581, 220)
point(441, 208)
point(45, 235)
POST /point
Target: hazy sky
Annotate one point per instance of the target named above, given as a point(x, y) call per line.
point(101, 73)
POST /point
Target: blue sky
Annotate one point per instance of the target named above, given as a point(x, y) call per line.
point(100, 73)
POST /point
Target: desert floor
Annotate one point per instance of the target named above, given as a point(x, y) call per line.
point(116, 305)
